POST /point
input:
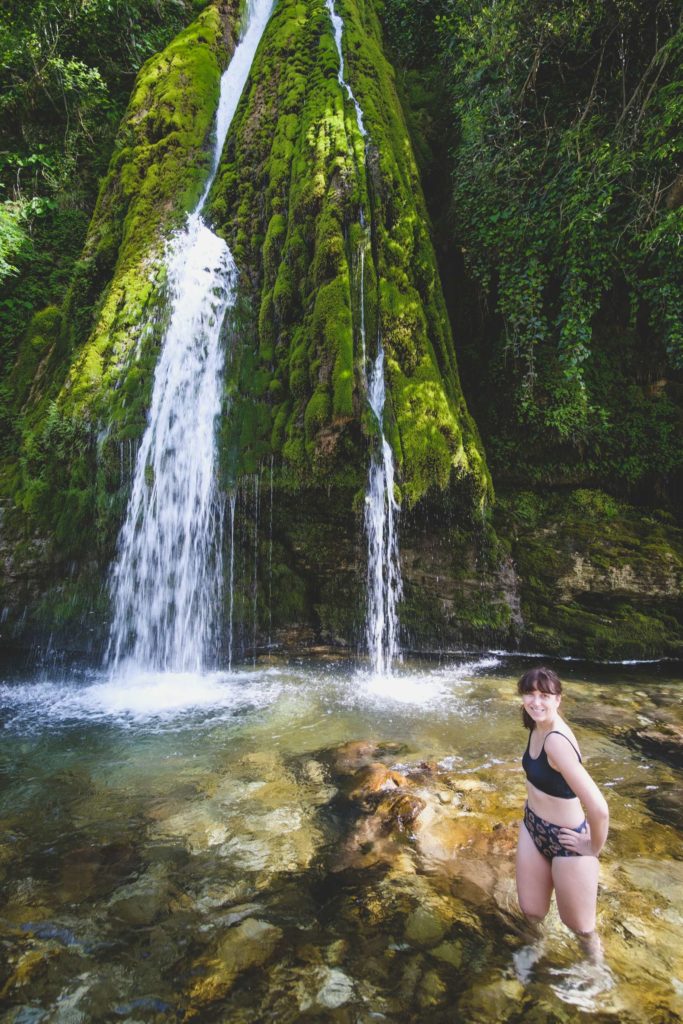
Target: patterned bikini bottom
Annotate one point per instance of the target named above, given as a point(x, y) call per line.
point(546, 835)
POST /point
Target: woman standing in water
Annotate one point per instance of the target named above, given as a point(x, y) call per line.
point(558, 844)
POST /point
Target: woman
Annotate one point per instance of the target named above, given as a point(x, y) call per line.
point(558, 845)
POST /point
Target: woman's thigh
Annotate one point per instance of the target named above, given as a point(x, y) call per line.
point(534, 877)
point(576, 891)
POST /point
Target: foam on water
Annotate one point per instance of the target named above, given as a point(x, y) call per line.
point(425, 690)
point(149, 699)
point(134, 697)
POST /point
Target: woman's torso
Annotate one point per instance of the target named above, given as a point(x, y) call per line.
point(559, 810)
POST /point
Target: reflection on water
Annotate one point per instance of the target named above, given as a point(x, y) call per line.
point(308, 842)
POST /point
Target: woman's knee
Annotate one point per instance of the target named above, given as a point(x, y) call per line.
point(583, 925)
point(533, 911)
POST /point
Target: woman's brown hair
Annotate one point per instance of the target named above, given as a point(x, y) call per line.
point(542, 679)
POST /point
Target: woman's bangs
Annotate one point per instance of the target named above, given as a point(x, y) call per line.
point(542, 679)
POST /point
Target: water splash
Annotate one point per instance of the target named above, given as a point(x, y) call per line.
point(166, 583)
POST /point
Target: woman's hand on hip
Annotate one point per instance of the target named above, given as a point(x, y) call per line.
point(577, 842)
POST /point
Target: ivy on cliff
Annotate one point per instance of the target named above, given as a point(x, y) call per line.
point(566, 206)
point(567, 175)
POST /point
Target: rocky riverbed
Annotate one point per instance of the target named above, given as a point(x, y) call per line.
point(307, 843)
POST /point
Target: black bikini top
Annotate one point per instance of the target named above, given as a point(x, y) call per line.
point(540, 774)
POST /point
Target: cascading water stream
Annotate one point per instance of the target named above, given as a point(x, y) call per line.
point(232, 499)
point(381, 510)
point(166, 583)
point(338, 28)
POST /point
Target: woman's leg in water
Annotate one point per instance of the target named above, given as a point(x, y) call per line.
point(576, 892)
point(534, 878)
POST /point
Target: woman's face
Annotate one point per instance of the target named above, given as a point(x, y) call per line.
point(541, 707)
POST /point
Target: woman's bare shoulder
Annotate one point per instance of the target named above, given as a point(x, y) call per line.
point(555, 742)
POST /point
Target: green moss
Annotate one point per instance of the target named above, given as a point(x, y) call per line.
point(317, 413)
point(160, 162)
point(41, 344)
point(295, 176)
point(94, 363)
point(598, 578)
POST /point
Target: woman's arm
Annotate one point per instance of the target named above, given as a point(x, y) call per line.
point(565, 760)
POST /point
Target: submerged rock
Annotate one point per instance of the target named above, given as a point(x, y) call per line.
point(373, 779)
point(425, 926)
point(325, 988)
point(247, 945)
point(497, 999)
point(144, 901)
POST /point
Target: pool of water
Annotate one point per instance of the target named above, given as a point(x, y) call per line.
point(305, 842)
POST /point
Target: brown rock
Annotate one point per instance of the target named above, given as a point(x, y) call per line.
point(375, 778)
point(248, 945)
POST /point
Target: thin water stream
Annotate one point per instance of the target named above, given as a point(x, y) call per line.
point(384, 583)
point(311, 842)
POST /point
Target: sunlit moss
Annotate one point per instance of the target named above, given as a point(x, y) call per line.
point(295, 178)
point(96, 368)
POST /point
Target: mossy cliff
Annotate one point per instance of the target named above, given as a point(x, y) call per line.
point(331, 236)
point(596, 577)
point(332, 242)
point(581, 574)
point(82, 380)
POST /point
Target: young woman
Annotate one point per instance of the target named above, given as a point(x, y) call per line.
point(558, 844)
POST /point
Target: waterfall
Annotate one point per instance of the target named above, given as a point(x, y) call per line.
point(362, 309)
point(338, 28)
point(232, 498)
point(166, 582)
point(384, 567)
point(254, 590)
point(384, 585)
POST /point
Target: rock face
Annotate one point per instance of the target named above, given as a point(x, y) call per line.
point(596, 577)
point(570, 577)
point(330, 233)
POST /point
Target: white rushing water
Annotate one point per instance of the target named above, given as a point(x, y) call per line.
point(384, 568)
point(381, 510)
point(166, 583)
point(338, 29)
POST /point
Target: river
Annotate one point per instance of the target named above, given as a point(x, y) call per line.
point(305, 841)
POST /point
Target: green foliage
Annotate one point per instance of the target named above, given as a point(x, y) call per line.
point(566, 208)
point(12, 236)
point(560, 185)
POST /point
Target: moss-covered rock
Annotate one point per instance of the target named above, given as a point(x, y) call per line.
point(83, 378)
point(42, 337)
point(331, 236)
point(598, 578)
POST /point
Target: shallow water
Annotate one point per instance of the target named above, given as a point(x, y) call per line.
point(211, 848)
